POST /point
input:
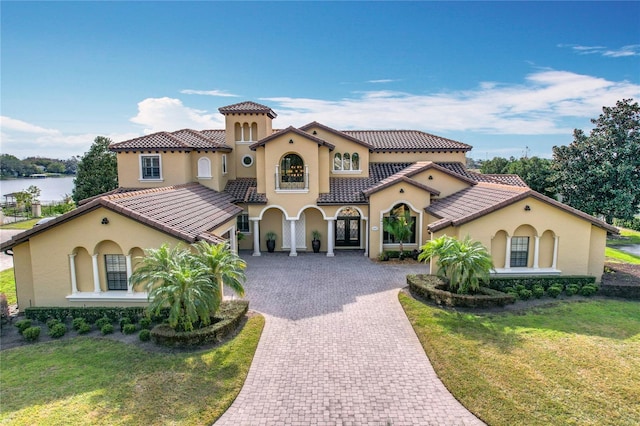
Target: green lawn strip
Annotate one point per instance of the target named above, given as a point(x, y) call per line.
point(25, 224)
point(630, 237)
point(616, 255)
point(89, 381)
point(8, 285)
point(573, 363)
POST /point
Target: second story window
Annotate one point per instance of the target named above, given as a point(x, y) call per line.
point(150, 167)
point(346, 161)
point(292, 173)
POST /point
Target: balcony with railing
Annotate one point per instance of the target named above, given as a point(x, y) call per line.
point(294, 178)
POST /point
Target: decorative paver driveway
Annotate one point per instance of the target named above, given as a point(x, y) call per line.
point(337, 348)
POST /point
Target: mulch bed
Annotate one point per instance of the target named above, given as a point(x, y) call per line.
point(623, 274)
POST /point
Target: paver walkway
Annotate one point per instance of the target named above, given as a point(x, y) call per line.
point(337, 348)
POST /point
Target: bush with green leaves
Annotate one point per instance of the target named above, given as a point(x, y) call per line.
point(51, 322)
point(525, 294)
point(145, 335)
point(102, 322)
point(107, 329)
point(145, 323)
point(124, 321)
point(129, 328)
point(22, 325)
point(572, 289)
point(76, 323)
point(31, 334)
point(84, 328)
point(554, 290)
point(537, 291)
point(57, 330)
point(588, 290)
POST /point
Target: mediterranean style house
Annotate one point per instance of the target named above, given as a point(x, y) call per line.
point(250, 180)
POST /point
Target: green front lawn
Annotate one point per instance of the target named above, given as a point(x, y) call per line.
point(85, 381)
point(630, 237)
point(25, 224)
point(615, 255)
point(8, 285)
point(572, 363)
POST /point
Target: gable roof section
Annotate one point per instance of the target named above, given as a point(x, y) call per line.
point(406, 141)
point(291, 129)
point(484, 198)
point(506, 179)
point(247, 107)
point(338, 133)
point(180, 140)
point(244, 190)
point(187, 212)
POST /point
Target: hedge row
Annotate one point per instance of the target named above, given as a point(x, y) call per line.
point(545, 281)
point(227, 319)
point(90, 314)
point(622, 291)
point(432, 287)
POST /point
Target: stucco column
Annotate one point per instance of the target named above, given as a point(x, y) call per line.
point(256, 237)
point(72, 268)
point(233, 241)
point(129, 272)
point(293, 252)
point(536, 252)
point(554, 265)
point(366, 237)
point(330, 239)
point(96, 275)
point(507, 256)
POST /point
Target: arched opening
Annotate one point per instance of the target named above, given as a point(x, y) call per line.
point(292, 172)
point(204, 168)
point(522, 247)
point(355, 161)
point(399, 212)
point(347, 227)
point(337, 161)
point(83, 269)
point(499, 248)
point(112, 266)
point(547, 242)
point(136, 254)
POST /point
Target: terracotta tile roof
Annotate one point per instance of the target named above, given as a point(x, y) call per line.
point(187, 212)
point(313, 124)
point(247, 107)
point(181, 140)
point(406, 141)
point(484, 198)
point(460, 169)
point(298, 132)
point(346, 190)
point(244, 190)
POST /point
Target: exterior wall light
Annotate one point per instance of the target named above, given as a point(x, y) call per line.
point(105, 221)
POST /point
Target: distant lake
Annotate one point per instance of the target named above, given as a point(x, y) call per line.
point(52, 188)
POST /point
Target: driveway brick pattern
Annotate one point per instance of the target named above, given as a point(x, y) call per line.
point(337, 348)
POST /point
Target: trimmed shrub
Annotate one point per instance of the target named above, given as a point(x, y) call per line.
point(537, 291)
point(432, 287)
point(124, 321)
point(57, 330)
point(572, 289)
point(91, 314)
point(31, 334)
point(145, 323)
point(102, 322)
point(145, 335)
point(554, 290)
point(226, 320)
point(52, 322)
point(107, 329)
point(129, 328)
point(84, 328)
point(77, 323)
point(23, 325)
point(588, 290)
point(4, 309)
point(502, 282)
point(525, 294)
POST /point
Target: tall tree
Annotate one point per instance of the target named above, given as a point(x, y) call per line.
point(497, 165)
point(600, 173)
point(536, 172)
point(97, 171)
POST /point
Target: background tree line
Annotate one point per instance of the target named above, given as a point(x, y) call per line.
point(13, 167)
point(598, 173)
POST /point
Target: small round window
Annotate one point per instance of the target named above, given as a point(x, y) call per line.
point(247, 161)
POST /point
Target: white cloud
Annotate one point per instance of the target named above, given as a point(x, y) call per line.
point(383, 80)
point(158, 114)
point(629, 50)
point(215, 92)
point(14, 125)
point(547, 102)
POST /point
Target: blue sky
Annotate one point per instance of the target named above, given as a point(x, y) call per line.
point(500, 76)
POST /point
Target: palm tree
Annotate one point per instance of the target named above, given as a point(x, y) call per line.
point(223, 265)
point(465, 264)
point(174, 279)
point(399, 227)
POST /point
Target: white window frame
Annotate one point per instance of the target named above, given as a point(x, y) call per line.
point(224, 164)
point(248, 231)
point(247, 156)
point(206, 169)
point(141, 167)
point(351, 170)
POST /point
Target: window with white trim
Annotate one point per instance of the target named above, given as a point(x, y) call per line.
point(224, 164)
point(204, 168)
point(116, 267)
point(519, 252)
point(346, 161)
point(243, 223)
point(150, 167)
point(247, 160)
point(397, 214)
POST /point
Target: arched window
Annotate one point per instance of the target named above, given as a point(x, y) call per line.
point(399, 212)
point(346, 161)
point(292, 172)
point(204, 168)
point(337, 161)
point(355, 161)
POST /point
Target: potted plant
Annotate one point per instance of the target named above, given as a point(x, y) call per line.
point(271, 241)
point(316, 241)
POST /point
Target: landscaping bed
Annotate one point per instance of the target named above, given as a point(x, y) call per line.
point(432, 287)
point(621, 280)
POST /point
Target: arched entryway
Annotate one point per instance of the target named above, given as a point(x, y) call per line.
point(347, 228)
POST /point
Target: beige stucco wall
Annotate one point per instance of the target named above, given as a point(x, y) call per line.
point(343, 145)
point(85, 236)
point(175, 169)
point(262, 127)
point(412, 157)
point(443, 182)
